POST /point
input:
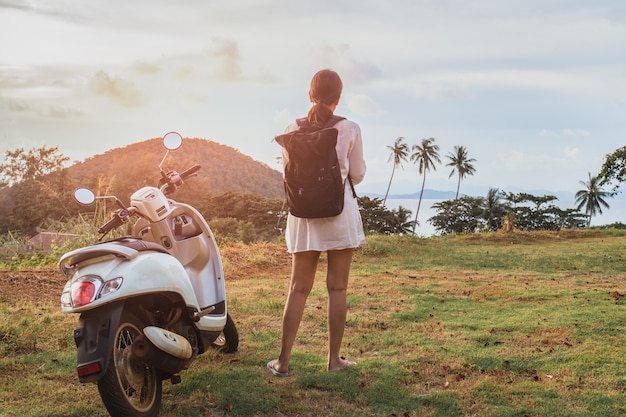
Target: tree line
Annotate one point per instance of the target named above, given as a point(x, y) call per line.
point(36, 195)
point(469, 214)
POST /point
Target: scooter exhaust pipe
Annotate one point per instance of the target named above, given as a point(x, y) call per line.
point(165, 350)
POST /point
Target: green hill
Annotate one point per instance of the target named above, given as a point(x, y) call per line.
point(123, 170)
point(226, 174)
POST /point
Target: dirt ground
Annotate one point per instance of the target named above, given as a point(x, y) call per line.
point(44, 285)
point(35, 285)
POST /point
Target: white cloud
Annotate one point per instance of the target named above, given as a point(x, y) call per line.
point(576, 132)
point(519, 161)
point(340, 57)
point(566, 132)
point(120, 91)
point(227, 60)
point(516, 160)
point(439, 88)
point(283, 118)
point(572, 154)
point(363, 105)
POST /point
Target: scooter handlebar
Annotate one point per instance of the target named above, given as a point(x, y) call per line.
point(171, 181)
point(190, 171)
point(120, 217)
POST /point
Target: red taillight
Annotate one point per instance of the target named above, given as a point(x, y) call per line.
point(83, 293)
point(86, 370)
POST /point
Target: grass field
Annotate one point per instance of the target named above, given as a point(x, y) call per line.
point(523, 324)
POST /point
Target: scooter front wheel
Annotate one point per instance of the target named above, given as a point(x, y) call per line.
point(228, 340)
point(129, 387)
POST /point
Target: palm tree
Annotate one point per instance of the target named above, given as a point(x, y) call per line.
point(425, 156)
point(399, 153)
point(493, 209)
point(592, 197)
point(461, 165)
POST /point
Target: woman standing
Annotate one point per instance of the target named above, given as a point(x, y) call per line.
point(338, 236)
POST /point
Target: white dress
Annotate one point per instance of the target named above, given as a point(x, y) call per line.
point(342, 231)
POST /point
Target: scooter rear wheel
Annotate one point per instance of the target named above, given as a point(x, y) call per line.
point(129, 387)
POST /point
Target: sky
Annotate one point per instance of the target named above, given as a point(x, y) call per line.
point(534, 89)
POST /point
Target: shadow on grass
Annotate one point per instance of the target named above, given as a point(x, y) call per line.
point(379, 387)
point(371, 388)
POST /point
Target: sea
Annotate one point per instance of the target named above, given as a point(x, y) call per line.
point(616, 213)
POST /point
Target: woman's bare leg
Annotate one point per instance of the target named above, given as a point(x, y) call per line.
point(339, 262)
point(304, 265)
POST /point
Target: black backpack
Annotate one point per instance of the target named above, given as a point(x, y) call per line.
point(312, 181)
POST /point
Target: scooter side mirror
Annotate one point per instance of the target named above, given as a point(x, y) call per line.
point(172, 140)
point(84, 196)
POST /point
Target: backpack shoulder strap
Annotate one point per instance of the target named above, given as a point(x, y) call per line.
point(333, 121)
point(303, 123)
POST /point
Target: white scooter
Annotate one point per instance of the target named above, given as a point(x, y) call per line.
point(148, 304)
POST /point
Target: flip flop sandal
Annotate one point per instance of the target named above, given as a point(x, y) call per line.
point(270, 366)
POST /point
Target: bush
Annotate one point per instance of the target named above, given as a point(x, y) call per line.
point(229, 229)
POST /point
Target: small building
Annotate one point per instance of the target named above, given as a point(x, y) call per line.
point(45, 240)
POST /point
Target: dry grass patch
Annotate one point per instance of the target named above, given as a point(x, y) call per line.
point(264, 259)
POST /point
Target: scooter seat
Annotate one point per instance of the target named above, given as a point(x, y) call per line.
point(138, 244)
point(127, 247)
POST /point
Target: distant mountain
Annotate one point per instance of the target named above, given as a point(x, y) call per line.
point(428, 195)
point(373, 190)
point(123, 170)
